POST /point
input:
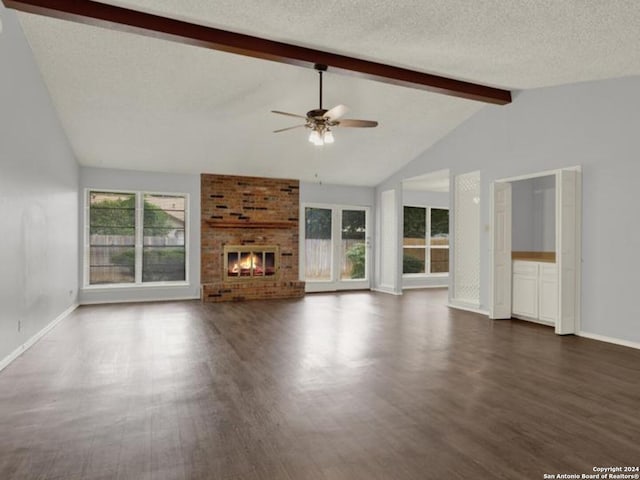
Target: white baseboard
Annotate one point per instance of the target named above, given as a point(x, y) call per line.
point(383, 290)
point(139, 300)
point(29, 343)
point(468, 309)
point(416, 287)
point(603, 338)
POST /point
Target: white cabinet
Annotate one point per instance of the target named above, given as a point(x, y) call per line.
point(548, 292)
point(535, 290)
point(525, 288)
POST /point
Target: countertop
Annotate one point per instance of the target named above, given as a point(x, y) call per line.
point(548, 257)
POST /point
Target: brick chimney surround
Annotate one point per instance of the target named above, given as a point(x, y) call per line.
point(247, 213)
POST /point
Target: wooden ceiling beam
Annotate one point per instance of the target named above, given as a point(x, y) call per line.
point(132, 21)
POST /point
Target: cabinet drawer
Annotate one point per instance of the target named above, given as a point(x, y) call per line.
point(521, 267)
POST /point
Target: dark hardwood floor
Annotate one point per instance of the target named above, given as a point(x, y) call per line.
point(333, 386)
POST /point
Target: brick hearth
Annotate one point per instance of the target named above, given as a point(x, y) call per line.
point(249, 211)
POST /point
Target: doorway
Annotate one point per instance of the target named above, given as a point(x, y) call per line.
point(335, 247)
point(425, 231)
point(541, 283)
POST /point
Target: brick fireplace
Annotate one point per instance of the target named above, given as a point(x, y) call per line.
point(249, 231)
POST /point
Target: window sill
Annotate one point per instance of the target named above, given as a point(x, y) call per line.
point(133, 286)
point(425, 275)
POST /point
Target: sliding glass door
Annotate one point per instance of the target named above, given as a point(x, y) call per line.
point(335, 247)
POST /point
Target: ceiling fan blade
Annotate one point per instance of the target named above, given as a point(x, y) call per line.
point(357, 123)
point(336, 112)
point(288, 128)
point(288, 114)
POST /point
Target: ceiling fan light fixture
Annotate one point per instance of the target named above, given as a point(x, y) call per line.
point(314, 137)
point(328, 137)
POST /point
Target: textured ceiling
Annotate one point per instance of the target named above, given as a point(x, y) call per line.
point(133, 102)
point(515, 44)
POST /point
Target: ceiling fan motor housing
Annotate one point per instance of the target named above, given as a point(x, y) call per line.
point(318, 113)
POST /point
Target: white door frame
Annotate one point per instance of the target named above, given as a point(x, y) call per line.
point(336, 283)
point(389, 266)
point(568, 240)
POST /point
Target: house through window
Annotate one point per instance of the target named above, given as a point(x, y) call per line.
point(425, 243)
point(135, 238)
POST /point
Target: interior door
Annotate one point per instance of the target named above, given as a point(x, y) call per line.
point(501, 251)
point(336, 248)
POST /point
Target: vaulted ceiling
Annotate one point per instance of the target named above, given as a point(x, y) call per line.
point(134, 102)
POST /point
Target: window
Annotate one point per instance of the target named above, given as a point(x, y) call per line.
point(425, 241)
point(136, 238)
point(334, 247)
point(318, 245)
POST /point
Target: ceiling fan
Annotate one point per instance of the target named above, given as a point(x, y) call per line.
point(321, 121)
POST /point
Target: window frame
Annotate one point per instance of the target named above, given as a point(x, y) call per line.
point(335, 282)
point(427, 247)
point(139, 240)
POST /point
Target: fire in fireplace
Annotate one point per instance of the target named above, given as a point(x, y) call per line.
point(254, 261)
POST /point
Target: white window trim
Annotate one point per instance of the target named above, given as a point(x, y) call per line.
point(428, 246)
point(139, 233)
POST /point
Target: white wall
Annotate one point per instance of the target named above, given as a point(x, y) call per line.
point(427, 199)
point(522, 216)
point(152, 182)
point(38, 200)
point(534, 214)
point(592, 124)
point(389, 242)
point(386, 222)
point(336, 194)
point(544, 214)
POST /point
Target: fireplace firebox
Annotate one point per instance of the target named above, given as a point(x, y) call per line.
point(250, 261)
